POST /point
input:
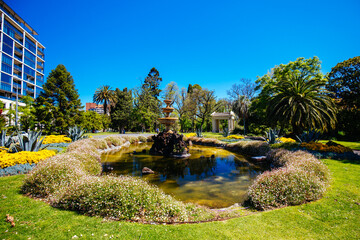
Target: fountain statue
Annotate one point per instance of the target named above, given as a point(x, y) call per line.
point(168, 142)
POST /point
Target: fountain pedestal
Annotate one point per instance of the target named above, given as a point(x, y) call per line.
point(167, 142)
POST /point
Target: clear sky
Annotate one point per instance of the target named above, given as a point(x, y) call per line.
point(211, 43)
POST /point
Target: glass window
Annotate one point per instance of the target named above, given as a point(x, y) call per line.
point(6, 65)
point(29, 71)
point(29, 59)
point(7, 45)
point(5, 78)
point(30, 45)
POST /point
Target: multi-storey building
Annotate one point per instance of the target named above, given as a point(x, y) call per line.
point(22, 57)
point(95, 107)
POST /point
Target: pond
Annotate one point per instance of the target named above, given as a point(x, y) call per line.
point(211, 176)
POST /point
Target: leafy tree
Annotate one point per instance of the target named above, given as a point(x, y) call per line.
point(27, 113)
point(296, 96)
point(2, 117)
point(206, 104)
point(121, 112)
point(104, 95)
point(146, 102)
point(344, 83)
point(152, 82)
point(92, 121)
point(58, 105)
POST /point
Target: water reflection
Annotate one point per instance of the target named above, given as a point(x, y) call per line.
point(210, 176)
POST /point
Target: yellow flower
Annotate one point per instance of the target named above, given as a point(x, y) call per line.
point(56, 139)
point(11, 159)
point(286, 140)
point(235, 137)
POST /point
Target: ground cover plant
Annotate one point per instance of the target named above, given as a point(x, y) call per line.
point(335, 216)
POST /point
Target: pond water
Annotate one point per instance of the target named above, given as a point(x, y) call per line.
point(211, 176)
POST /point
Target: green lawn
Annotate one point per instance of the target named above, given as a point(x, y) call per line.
point(336, 216)
point(352, 145)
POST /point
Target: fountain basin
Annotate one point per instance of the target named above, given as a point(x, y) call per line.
point(210, 176)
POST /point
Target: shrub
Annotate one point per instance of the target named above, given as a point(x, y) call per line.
point(116, 141)
point(284, 187)
point(121, 197)
point(142, 139)
point(285, 145)
point(329, 147)
point(131, 139)
point(253, 148)
point(300, 177)
point(55, 174)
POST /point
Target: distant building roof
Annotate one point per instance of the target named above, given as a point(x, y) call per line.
point(223, 114)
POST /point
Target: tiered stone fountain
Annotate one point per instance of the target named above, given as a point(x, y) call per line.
point(168, 142)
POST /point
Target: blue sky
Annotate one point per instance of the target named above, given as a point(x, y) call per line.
point(211, 43)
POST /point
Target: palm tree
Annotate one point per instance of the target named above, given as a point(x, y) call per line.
point(241, 108)
point(302, 103)
point(104, 95)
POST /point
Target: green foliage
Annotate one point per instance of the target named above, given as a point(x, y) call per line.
point(27, 113)
point(226, 132)
point(104, 95)
point(294, 94)
point(75, 133)
point(121, 112)
point(312, 135)
point(198, 132)
point(252, 148)
point(2, 117)
point(152, 82)
point(120, 198)
point(285, 187)
point(58, 105)
point(344, 83)
point(272, 135)
point(300, 178)
point(92, 121)
point(30, 141)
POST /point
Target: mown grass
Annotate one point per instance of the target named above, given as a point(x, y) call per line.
point(336, 216)
point(352, 145)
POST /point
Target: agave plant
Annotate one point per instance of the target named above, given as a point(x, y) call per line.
point(75, 133)
point(272, 135)
point(30, 141)
point(312, 135)
point(5, 141)
point(226, 132)
point(198, 132)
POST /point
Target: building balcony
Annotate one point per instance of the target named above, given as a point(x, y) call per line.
point(16, 85)
point(40, 70)
point(17, 75)
point(41, 64)
point(19, 68)
point(6, 87)
point(18, 58)
point(41, 57)
point(19, 50)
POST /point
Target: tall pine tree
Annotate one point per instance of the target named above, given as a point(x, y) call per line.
point(58, 105)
